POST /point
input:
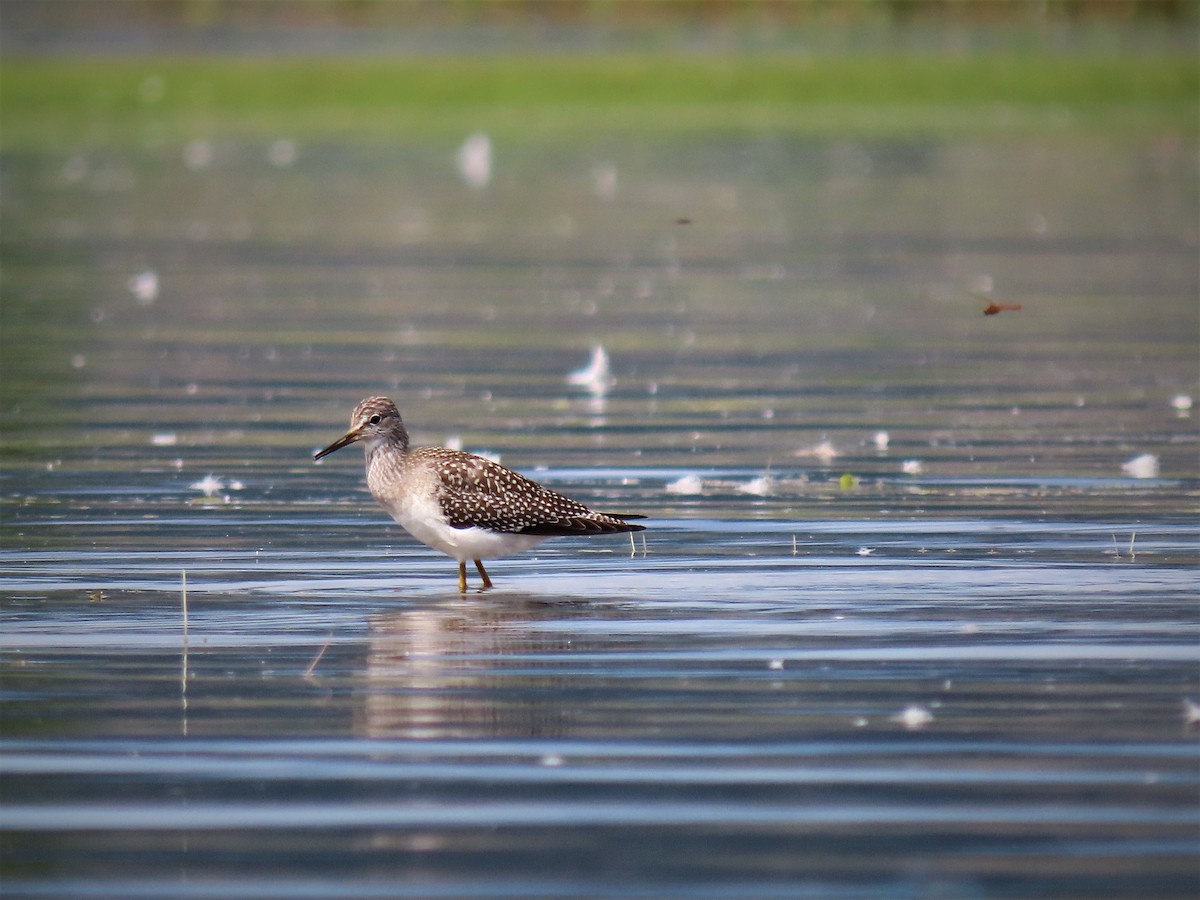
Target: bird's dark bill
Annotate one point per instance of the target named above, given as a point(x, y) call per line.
point(348, 438)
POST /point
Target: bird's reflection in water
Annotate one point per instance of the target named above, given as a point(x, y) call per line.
point(465, 668)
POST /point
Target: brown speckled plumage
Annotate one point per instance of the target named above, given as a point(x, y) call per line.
point(464, 505)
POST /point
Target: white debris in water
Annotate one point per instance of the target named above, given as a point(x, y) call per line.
point(775, 664)
point(823, 450)
point(881, 440)
point(1191, 712)
point(164, 439)
point(144, 286)
point(864, 551)
point(78, 361)
point(596, 376)
point(688, 484)
point(1182, 404)
point(282, 153)
point(474, 161)
point(209, 486)
point(913, 717)
point(550, 760)
point(454, 442)
point(604, 180)
point(198, 155)
point(762, 486)
point(1144, 466)
point(912, 467)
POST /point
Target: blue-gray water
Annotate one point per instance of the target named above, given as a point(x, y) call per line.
point(965, 670)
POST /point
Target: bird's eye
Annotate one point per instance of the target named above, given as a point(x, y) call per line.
point(374, 420)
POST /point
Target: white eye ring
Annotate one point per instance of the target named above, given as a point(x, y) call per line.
point(374, 420)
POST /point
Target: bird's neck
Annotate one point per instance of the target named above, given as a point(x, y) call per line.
point(393, 446)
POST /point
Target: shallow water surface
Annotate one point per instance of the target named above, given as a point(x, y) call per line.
point(901, 625)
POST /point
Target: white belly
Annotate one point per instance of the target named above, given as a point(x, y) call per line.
point(422, 518)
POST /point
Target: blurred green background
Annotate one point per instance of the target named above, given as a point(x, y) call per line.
point(128, 72)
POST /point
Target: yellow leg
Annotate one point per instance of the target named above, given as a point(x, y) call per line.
point(487, 582)
point(462, 577)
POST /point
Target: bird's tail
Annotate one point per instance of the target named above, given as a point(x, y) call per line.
point(625, 517)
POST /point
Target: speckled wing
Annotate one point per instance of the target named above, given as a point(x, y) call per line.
point(478, 492)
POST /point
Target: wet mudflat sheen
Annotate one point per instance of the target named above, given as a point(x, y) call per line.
point(915, 614)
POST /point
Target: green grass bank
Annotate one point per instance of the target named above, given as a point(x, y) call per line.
point(98, 102)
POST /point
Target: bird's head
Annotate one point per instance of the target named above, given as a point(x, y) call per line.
point(375, 421)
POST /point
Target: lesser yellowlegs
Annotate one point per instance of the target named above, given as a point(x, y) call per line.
point(468, 507)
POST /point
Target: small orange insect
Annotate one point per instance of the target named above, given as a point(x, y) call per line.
point(992, 308)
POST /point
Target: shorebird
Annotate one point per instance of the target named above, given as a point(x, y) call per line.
point(468, 507)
